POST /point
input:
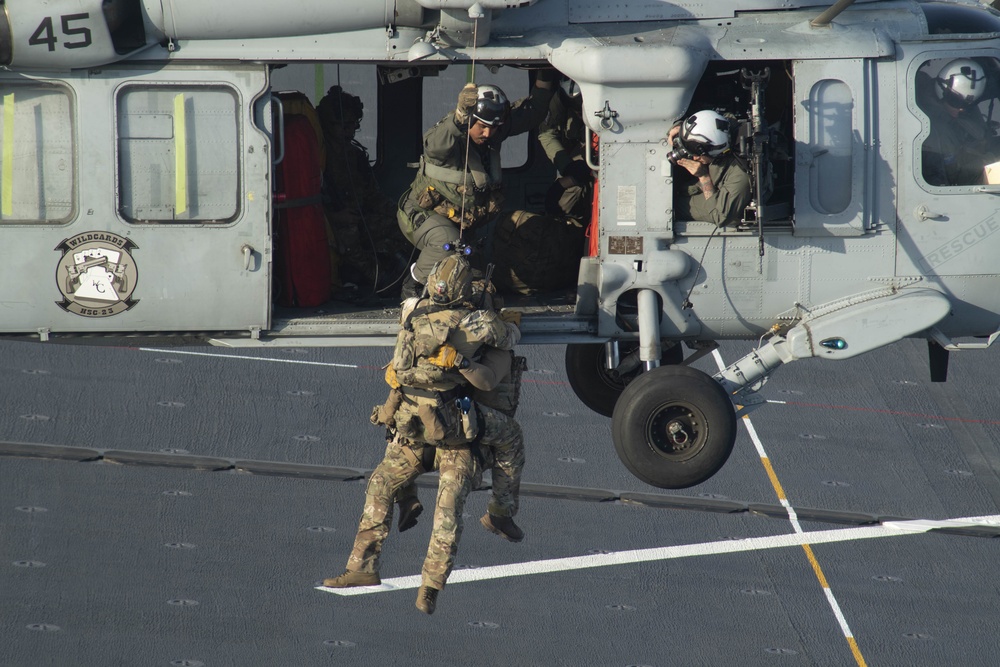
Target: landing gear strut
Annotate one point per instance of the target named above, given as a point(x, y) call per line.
point(673, 426)
point(599, 386)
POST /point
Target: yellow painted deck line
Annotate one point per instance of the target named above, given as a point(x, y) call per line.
point(831, 599)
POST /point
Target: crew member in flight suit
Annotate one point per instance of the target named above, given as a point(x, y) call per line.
point(562, 136)
point(458, 184)
point(435, 425)
point(960, 142)
point(716, 185)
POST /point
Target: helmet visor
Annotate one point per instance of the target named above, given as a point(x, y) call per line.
point(962, 86)
point(490, 112)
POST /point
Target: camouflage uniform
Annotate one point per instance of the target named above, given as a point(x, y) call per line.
point(401, 465)
point(363, 220)
point(418, 385)
point(501, 439)
point(458, 467)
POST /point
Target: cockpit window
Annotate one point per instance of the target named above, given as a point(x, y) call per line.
point(959, 97)
point(949, 18)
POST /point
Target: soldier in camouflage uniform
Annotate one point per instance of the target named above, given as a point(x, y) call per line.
point(450, 363)
point(458, 184)
point(373, 254)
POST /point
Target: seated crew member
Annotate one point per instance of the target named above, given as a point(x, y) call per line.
point(449, 194)
point(961, 141)
point(714, 185)
point(373, 254)
point(562, 136)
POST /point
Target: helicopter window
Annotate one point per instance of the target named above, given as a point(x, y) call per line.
point(958, 96)
point(728, 87)
point(36, 154)
point(178, 151)
point(832, 145)
point(951, 19)
point(441, 94)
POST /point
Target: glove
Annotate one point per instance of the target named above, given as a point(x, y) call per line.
point(548, 75)
point(466, 102)
point(511, 316)
point(448, 357)
point(579, 172)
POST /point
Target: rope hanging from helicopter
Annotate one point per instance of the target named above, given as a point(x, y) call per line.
point(468, 138)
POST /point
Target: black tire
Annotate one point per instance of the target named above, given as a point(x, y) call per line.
point(682, 397)
point(597, 387)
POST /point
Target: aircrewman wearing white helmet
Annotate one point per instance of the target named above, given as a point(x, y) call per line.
point(716, 187)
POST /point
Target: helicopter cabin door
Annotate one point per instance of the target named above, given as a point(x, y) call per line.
point(134, 199)
point(835, 102)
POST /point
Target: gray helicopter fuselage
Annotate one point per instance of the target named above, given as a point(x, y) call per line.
point(137, 161)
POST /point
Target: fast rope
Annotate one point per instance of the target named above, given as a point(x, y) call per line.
point(468, 139)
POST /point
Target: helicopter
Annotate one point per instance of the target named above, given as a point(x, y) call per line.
point(140, 141)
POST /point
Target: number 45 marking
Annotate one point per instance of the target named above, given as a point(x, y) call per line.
point(45, 33)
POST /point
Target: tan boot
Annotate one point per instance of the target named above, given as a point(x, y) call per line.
point(350, 579)
point(427, 599)
point(503, 526)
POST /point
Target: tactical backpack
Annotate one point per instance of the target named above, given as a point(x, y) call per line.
point(426, 402)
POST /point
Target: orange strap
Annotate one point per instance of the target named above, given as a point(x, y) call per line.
point(594, 228)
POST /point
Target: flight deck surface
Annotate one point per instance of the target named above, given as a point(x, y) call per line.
point(218, 487)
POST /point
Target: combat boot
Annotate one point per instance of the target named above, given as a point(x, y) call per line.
point(350, 579)
point(503, 526)
point(427, 599)
point(409, 510)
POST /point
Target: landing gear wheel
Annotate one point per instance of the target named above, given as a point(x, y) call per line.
point(595, 385)
point(674, 427)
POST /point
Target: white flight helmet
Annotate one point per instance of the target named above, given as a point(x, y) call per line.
point(705, 133)
point(492, 106)
point(961, 83)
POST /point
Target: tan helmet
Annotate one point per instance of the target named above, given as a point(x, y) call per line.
point(450, 281)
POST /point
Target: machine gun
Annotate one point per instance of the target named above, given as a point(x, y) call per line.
point(759, 149)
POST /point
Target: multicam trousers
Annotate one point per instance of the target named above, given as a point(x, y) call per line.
point(401, 465)
point(503, 445)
